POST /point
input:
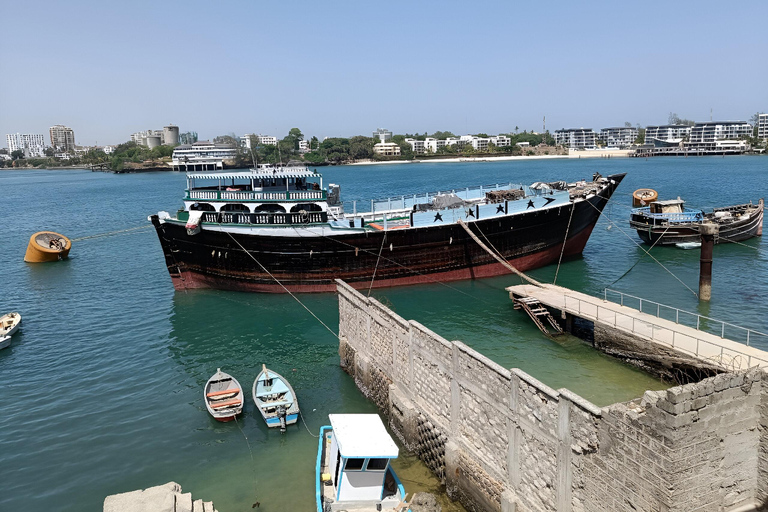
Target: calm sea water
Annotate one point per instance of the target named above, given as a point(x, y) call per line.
point(102, 388)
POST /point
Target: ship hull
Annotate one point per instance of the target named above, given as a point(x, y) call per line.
point(528, 240)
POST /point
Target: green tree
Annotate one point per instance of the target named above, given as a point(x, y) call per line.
point(442, 135)
point(17, 154)
point(640, 136)
point(675, 119)
point(314, 143)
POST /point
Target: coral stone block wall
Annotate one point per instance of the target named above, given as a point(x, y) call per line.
point(501, 440)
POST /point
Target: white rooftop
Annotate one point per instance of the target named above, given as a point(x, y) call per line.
point(276, 172)
point(362, 435)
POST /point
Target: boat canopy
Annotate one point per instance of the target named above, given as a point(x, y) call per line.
point(269, 173)
point(362, 436)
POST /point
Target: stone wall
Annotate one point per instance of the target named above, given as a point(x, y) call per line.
point(162, 498)
point(500, 440)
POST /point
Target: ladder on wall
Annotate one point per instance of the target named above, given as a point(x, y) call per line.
point(538, 314)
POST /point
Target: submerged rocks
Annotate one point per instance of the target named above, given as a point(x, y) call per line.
point(425, 502)
point(162, 498)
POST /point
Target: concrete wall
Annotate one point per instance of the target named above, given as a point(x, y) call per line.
point(501, 440)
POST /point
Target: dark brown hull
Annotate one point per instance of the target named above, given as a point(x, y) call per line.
point(213, 259)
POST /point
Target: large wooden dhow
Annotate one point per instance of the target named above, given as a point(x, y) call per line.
point(278, 229)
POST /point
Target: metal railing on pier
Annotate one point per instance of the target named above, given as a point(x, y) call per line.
point(680, 316)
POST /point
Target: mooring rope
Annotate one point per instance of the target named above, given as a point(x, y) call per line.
point(394, 262)
point(562, 250)
point(112, 233)
point(639, 259)
point(305, 425)
point(281, 284)
point(600, 213)
point(496, 256)
point(378, 259)
point(253, 461)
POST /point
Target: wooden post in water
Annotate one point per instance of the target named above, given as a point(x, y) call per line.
point(708, 231)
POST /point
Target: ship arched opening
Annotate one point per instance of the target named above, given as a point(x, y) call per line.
point(235, 207)
point(269, 208)
point(203, 207)
point(307, 207)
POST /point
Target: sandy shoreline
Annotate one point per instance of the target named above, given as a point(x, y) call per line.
point(619, 153)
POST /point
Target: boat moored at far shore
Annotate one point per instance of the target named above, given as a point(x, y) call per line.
point(278, 229)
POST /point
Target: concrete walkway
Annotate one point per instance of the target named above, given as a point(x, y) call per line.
point(731, 355)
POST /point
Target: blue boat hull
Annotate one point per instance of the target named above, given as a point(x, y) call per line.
point(290, 419)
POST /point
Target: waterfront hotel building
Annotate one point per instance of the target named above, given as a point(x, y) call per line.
point(619, 137)
point(201, 156)
point(577, 138)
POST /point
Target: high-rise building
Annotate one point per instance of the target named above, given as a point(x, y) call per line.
point(383, 134)
point(618, 137)
point(33, 145)
point(62, 137)
point(762, 126)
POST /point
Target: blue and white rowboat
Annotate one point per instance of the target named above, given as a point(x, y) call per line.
point(275, 399)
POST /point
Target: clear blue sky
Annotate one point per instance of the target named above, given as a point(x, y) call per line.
point(330, 68)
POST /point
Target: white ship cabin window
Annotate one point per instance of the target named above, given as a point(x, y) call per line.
point(378, 464)
point(354, 464)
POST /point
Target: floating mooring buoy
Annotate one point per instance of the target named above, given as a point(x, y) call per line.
point(45, 246)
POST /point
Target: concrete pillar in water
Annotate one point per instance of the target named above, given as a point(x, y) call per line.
point(708, 232)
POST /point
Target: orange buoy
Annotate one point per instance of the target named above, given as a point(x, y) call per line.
point(47, 246)
point(643, 196)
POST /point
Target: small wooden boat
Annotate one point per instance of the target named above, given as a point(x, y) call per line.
point(353, 466)
point(223, 396)
point(275, 399)
point(671, 223)
point(45, 246)
point(9, 324)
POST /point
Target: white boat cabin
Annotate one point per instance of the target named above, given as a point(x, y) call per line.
point(361, 449)
point(668, 206)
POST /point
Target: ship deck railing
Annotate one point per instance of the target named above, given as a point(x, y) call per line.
point(691, 216)
point(406, 203)
point(261, 196)
point(265, 218)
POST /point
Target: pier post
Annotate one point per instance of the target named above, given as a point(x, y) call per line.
point(708, 231)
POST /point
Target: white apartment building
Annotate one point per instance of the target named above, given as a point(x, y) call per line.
point(304, 146)
point(578, 138)
point(431, 145)
point(202, 155)
point(667, 134)
point(713, 131)
point(386, 149)
point(62, 137)
point(618, 137)
point(762, 126)
point(32, 144)
point(267, 140)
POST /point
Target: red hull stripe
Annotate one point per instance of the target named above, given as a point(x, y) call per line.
point(189, 280)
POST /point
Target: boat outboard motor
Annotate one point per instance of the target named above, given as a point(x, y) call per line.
point(281, 416)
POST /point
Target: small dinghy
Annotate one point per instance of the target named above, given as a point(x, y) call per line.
point(223, 396)
point(275, 399)
point(9, 324)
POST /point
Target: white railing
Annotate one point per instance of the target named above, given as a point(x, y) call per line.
point(241, 195)
point(727, 356)
point(694, 320)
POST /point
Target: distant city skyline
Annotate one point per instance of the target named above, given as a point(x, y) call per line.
point(345, 68)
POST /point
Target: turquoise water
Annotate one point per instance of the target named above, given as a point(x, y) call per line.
point(102, 388)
